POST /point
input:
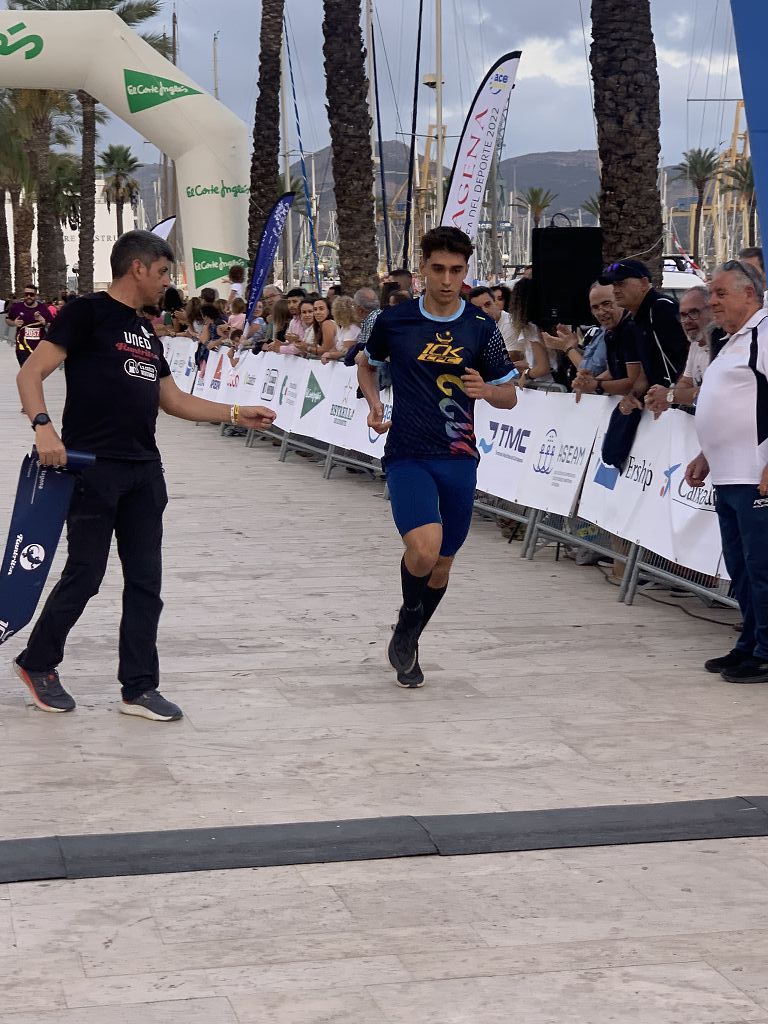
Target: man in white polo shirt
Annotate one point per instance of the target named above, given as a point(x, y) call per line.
point(732, 424)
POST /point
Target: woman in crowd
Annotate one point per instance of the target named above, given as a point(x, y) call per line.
point(236, 319)
point(529, 354)
point(347, 330)
point(502, 296)
point(172, 301)
point(324, 327)
point(254, 332)
point(281, 318)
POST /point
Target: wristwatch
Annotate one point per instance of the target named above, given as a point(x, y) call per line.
point(599, 389)
point(40, 420)
point(670, 396)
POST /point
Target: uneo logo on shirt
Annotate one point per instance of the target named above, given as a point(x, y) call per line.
point(210, 265)
point(145, 91)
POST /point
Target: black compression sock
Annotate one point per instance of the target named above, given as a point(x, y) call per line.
point(431, 598)
point(413, 586)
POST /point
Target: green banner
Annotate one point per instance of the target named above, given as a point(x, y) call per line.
point(145, 91)
point(210, 265)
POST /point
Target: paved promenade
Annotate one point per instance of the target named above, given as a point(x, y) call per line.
point(541, 692)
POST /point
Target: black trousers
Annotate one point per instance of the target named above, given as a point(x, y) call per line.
point(126, 499)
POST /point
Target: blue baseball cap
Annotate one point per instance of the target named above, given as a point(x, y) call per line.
point(623, 270)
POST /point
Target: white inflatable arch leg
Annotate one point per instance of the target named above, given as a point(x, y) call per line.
point(96, 51)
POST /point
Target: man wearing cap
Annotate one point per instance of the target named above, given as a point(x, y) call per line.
point(662, 344)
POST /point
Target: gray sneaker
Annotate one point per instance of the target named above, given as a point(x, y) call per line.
point(152, 705)
point(46, 689)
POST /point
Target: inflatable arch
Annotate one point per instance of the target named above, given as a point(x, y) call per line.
point(96, 51)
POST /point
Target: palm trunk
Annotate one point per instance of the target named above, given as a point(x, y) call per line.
point(346, 87)
point(626, 80)
point(39, 148)
point(87, 193)
point(751, 224)
point(23, 226)
point(266, 123)
point(697, 228)
point(6, 284)
point(59, 257)
point(119, 216)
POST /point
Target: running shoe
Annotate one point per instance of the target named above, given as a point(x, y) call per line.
point(414, 679)
point(403, 647)
point(154, 706)
point(46, 689)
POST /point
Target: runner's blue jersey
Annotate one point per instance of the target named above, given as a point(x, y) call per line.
point(432, 416)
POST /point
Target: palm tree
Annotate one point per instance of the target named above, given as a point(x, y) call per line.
point(266, 123)
point(537, 200)
point(592, 207)
point(133, 13)
point(346, 89)
point(626, 87)
point(743, 184)
point(116, 165)
point(12, 169)
point(45, 119)
point(699, 167)
point(15, 178)
point(65, 180)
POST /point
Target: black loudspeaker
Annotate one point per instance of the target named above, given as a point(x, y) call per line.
point(566, 261)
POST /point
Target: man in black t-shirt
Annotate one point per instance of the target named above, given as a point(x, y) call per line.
point(30, 318)
point(116, 379)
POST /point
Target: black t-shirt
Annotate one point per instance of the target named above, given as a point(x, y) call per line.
point(113, 369)
point(621, 346)
point(661, 330)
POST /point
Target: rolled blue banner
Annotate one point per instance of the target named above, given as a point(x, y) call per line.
point(265, 255)
point(750, 23)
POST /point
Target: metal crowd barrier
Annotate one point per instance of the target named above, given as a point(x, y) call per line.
point(642, 568)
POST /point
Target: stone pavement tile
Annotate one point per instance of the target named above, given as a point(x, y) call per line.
point(7, 936)
point(347, 1006)
point(171, 1011)
point(749, 973)
point(24, 986)
point(285, 947)
point(664, 994)
point(349, 972)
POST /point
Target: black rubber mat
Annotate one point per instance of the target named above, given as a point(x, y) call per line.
point(314, 842)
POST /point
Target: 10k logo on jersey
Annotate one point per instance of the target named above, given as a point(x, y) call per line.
point(442, 351)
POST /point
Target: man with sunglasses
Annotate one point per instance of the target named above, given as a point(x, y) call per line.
point(662, 344)
point(732, 425)
point(30, 318)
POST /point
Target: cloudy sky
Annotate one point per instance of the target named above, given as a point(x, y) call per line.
point(550, 108)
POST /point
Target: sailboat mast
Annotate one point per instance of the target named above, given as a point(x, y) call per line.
point(284, 89)
point(439, 109)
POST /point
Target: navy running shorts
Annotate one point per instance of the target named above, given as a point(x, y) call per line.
point(438, 490)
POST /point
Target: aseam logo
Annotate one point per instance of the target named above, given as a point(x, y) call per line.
point(145, 91)
point(669, 473)
point(33, 42)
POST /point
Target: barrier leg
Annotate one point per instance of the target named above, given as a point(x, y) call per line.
point(634, 577)
point(629, 572)
point(531, 535)
point(249, 438)
point(284, 447)
point(328, 464)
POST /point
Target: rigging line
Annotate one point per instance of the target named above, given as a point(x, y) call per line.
point(589, 81)
point(725, 73)
point(412, 152)
point(304, 91)
point(389, 70)
point(456, 34)
point(307, 200)
point(709, 71)
point(481, 31)
point(384, 211)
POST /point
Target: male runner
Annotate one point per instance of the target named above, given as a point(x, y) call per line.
point(116, 379)
point(444, 354)
point(30, 318)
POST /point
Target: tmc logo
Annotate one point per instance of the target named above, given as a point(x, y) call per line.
point(669, 473)
point(507, 436)
point(546, 459)
point(442, 351)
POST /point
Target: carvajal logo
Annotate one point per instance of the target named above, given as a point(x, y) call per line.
point(8, 45)
point(312, 396)
point(210, 265)
point(669, 473)
point(546, 459)
point(145, 91)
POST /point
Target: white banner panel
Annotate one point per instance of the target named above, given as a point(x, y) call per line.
point(536, 454)
point(313, 419)
point(180, 355)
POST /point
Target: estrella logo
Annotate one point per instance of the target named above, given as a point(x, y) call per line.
point(669, 473)
point(442, 351)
